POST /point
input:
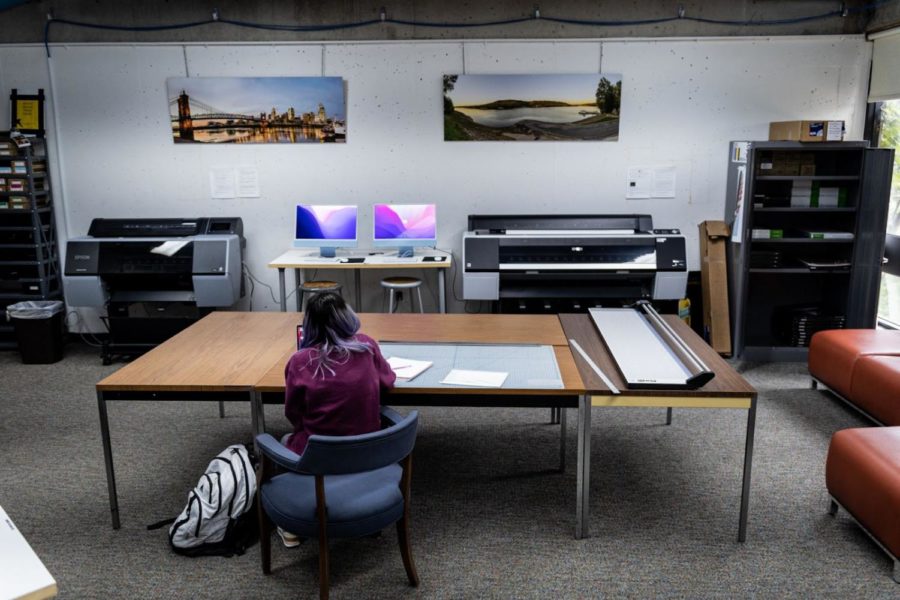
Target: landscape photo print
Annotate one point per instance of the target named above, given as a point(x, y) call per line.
point(261, 110)
point(555, 108)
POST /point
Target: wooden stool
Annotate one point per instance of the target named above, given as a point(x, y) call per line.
point(317, 287)
point(398, 284)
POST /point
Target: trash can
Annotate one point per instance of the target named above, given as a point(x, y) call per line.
point(39, 329)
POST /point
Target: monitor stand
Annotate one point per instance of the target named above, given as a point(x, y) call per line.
point(327, 252)
point(405, 251)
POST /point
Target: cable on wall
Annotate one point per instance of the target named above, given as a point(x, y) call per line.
point(680, 15)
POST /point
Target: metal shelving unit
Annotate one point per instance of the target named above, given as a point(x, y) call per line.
point(775, 297)
point(29, 255)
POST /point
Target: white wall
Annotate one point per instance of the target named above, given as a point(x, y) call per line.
point(682, 101)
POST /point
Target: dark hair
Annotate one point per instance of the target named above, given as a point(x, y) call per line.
point(329, 327)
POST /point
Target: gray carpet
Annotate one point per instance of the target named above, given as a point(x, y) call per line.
point(490, 516)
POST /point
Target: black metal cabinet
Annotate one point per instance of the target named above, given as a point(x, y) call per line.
point(29, 255)
point(806, 253)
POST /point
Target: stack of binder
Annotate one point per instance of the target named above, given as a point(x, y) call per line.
point(801, 194)
point(796, 325)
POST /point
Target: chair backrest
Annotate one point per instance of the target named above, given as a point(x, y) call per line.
point(333, 455)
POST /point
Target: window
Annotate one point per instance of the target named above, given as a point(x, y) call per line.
point(889, 299)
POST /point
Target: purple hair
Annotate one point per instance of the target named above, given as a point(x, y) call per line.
point(329, 327)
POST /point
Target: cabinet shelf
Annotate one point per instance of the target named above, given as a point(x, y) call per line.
point(799, 271)
point(804, 209)
point(798, 241)
point(807, 178)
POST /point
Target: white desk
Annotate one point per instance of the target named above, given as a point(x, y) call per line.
point(22, 574)
point(301, 259)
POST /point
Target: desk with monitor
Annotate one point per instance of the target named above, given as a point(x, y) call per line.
point(397, 230)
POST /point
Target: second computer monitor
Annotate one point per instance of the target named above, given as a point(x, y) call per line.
point(325, 226)
point(405, 226)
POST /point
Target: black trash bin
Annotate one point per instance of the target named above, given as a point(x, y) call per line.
point(39, 329)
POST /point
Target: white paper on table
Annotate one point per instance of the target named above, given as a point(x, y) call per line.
point(493, 379)
point(169, 248)
point(221, 182)
point(247, 182)
point(407, 369)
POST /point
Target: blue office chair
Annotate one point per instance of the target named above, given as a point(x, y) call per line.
point(350, 486)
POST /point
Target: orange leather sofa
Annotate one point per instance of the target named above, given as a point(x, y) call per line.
point(862, 474)
point(862, 366)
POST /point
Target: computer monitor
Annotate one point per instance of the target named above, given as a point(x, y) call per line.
point(405, 226)
point(326, 226)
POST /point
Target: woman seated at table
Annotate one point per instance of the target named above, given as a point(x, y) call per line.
point(333, 384)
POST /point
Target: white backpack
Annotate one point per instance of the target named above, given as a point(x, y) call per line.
point(217, 519)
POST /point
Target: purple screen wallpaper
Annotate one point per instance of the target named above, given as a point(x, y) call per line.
point(325, 222)
point(405, 221)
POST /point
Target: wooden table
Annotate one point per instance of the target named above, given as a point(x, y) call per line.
point(726, 390)
point(467, 329)
point(219, 358)
point(241, 356)
point(302, 259)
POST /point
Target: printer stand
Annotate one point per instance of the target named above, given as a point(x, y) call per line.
point(136, 327)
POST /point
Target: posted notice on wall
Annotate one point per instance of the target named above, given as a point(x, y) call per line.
point(231, 182)
point(651, 182)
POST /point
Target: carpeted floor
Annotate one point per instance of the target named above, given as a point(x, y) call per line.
point(490, 515)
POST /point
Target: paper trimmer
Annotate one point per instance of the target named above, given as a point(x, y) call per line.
point(647, 351)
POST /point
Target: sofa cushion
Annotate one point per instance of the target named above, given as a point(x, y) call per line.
point(833, 353)
point(875, 387)
point(862, 472)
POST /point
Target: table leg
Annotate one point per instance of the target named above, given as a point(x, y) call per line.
point(107, 457)
point(299, 279)
point(281, 289)
point(257, 414)
point(357, 285)
point(442, 290)
point(748, 462)
point(562, 440)
point(669, 416)
point(221, 409)
point(583, 469)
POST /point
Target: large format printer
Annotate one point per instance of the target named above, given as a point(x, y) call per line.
point(154, 277)
point(558, 263)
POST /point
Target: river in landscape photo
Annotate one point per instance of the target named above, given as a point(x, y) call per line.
point(511, 116)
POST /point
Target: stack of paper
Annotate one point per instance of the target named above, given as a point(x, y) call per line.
point(832, 196)
point(407, 369)
point(489, 379)
point(828, 235)
point(801, 194)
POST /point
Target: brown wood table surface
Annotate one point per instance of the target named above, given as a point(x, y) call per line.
point(727, 382)
point(223, 351)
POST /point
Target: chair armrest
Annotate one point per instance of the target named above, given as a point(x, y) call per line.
point(274, 451)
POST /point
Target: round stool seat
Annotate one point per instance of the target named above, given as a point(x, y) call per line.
point(316, 287)
point(320, 286)
point(401, 283)
point(395, 285)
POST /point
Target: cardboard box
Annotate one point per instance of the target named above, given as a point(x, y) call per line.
point(806, 131)
point(714, 235)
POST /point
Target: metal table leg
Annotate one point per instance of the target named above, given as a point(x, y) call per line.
point(281, 289)
point(357, 285)
point(748, 462)
point(107, 457)
point(583, 469)
point(669, 416)
point(299, 279)
point(562, 439)
point(442, 290)
point(257, 414)
point(221, 409)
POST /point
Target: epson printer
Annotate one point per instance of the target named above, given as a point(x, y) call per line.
point(558, 263)
point(154, 277)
